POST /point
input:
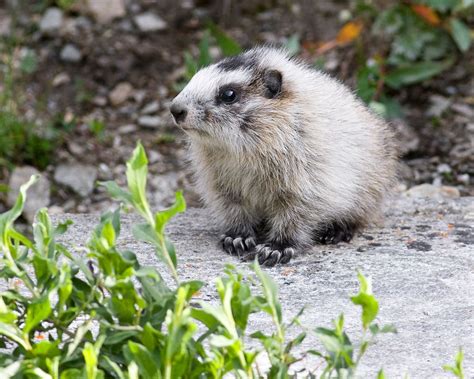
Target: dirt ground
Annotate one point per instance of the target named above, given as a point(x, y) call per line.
point(436, 134)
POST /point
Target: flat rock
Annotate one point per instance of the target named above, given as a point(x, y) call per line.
point(78, 177)
point(433, 191)
point(106, 11)
point(70, 53)
point(421, 264)
point(150, 22)
point(38, 194)
point(51, 21)
point(120, 93)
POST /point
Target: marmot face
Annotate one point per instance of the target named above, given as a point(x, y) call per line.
point(232, 104)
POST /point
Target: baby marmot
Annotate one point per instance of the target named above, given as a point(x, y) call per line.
point(285, 156)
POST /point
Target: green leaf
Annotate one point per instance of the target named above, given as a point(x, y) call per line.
point(204, 54)
point(117, 193)
point(457, 369)
point(162, 217)
point(380, 375)
point(14, 333)
point(145, 361)
point(366, 300)
point(270, 291)
point(227, 44)
point(29, 62)
point(416, 72)
point(7, 218)
point(460, 33)
point(38, 311)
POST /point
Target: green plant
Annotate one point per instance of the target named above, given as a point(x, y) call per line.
point(23, 141)
point(213, 33)
point(423, 39)
point(457, 369)
point(99, 313)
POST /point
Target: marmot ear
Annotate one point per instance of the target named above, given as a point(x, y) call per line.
point(272, 80)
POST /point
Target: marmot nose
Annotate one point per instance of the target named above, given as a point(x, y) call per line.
point(179, 112)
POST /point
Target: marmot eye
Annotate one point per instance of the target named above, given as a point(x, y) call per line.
point(228, 96)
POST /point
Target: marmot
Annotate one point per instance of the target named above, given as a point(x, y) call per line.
point(285, 156)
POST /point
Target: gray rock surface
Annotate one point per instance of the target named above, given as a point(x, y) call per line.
point(106, 11)
point(70, 53)
point(150, 22)
point(78, 177)
point(51, 21)
point(38, 194)
point(421, 264)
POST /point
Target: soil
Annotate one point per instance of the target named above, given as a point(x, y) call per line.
point(152, 62)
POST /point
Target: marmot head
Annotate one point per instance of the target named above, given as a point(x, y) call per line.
point(239, 102)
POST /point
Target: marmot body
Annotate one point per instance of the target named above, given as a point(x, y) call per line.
point(285, 156)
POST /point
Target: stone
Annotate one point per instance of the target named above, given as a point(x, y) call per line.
point(106, 11)
point(439, 104)
point(5, 25)
point(152, 122)
point(151, 108)
point(60, 79)
point(120, 93)
point(78, 177)
point(444, 168)
point(38, 195)
point(70, 53)
point(127, 129)
point(51, 21)
point(420, 263)
point(150, 22)
point(432, 191)
point(464, 109)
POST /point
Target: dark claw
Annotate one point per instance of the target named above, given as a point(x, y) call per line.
point(270, 257)
point(238, 245)
point(250, 243)
point(229, 246)
point(273, 258)
point(263, 253)
point(335, 233)
point(287, 255)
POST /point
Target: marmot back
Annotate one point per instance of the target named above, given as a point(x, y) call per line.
point(284, 155)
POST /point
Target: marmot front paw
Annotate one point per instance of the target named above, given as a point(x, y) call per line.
point(269, 256)
point(237, 245)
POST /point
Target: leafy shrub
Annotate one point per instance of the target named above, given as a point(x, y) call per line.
point(102, 314)
point(423, 40)
point(22, 141)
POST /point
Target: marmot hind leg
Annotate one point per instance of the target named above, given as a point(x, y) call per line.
point(335, 232)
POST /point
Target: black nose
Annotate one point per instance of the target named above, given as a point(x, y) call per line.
point(179, 112)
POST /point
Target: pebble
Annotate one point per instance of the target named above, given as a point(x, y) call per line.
point(151, 122)
point(432, 191)
point(444, 168)
point(60, 79)
point(120, 93)
point(51, 21)
point(150, 22)
point(70, 53)
point(464, 109)
point(104, 11)
point(38, 195)
point(5, 25)
point(100, 101)
point(439, 104)
point(78, 177)
point(127, 129)
point(151, 108)
point(407, 137)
